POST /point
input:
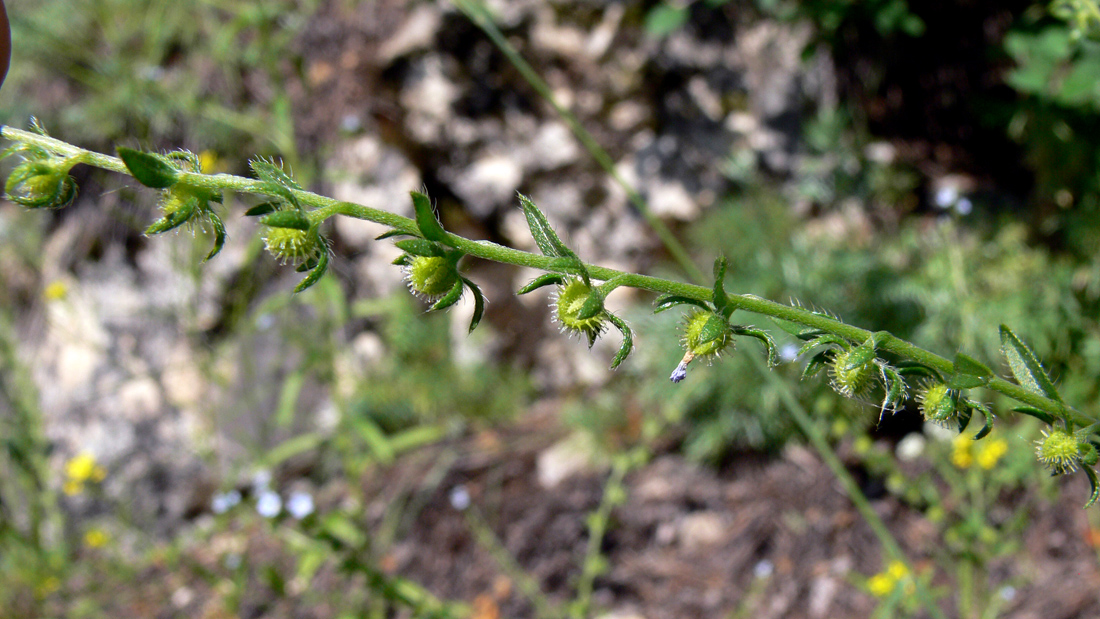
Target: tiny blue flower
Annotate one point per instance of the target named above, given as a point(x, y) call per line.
point(299, 504)
point(224, 501)
point(460, 497)
point(269, 504)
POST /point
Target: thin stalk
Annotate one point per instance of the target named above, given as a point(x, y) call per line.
point(325, 207)
point(851, 488)
point(480, 16)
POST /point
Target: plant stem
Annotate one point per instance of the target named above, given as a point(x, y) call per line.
point(325, 207)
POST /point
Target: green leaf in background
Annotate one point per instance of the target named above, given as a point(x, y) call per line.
point(664, 19)
point(1026, 367)
point(149, 169)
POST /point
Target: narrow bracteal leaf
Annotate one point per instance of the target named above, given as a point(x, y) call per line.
point(449, 299)
point(262, 209)
point(316, 274)
point(273, 173)
point(861, 355)
point(1094, 484)
point(965, 413)
point(719, 292)
point(429, 226)
point(628, 340)
point(295, 220)
point(915, 368)
point(219, 235)
point(420, 247)
point(824, 340)
point(669, 301)
point(765, 339)
point(896, 389)
point(1026, 367)
point(1041, 415)
point(592, 306)
point(390, 234)
point(547, 240)
point(479, 304)
point(176, 218)
point(149, 169)
point(714, 328)
point(987, 413)
point(968, 373)
point(800, 331)
point(816, 364)
point(546, 279)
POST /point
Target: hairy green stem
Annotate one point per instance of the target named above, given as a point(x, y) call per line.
point(325, 207)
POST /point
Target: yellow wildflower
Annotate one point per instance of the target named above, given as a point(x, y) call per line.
point(79, 470)
point(55, 291)
point(95, 538)
point(881, 584)
point(208, 161)
point(962, 454)
point(989, 452)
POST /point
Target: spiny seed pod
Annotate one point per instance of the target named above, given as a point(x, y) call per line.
point(41, 183)
point(293, 245)
point(936, 403)
point(430, 277)
point(850, 378)
point(705, 336)
point(568, 304)
point(1061, 451)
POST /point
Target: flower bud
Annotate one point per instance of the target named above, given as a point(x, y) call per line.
point(41, 183)
point(568, 305)
point(431, 277)
point(850, 378)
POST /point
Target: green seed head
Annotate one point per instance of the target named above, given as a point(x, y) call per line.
point(1061, 451)
point(936, 403)
point(430, 277)
point(850, 381)
point(293, 245)
point(570, 299)
point(41, 184)
point(706, 334)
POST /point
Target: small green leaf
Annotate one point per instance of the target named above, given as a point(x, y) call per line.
point(450, 298)
point(420, 247)
point(915, 368)
point(390, 234)
point(149, 169)
point(817, 363)
point(628, 340)
point(668, 301)
point(479, 303)
point(765, 339)
point(176, 218)
point(965, 412)
point(861, 355)
point(287, 219)
point(592, 306)
point(968, 373)
point(800, 331)
point(1041, 415)
point(714, 328)
point(718, 297)
point(664, 19)
point(219, 235)
point(544, 235)
point(546, 279)
point(988, 414)
point(425, 218)
point(293, 447)
point(262, 209)
point(1094, 484)
point(273, 173)
point(316, 274)
point(824, 340)
point(1026, 367)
